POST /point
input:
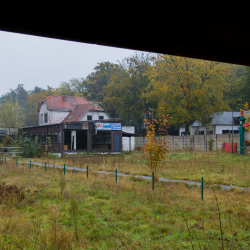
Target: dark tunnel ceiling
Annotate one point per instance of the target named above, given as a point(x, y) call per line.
point(218, 34)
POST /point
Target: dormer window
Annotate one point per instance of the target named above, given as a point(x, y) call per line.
point(41, 118)
point(101, 117)
point(89, 117)
point(71, 116)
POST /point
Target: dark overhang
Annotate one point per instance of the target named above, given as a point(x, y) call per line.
point(205, 31)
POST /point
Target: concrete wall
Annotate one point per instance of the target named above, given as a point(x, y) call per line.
point(247, 136)
point(125, 140)
point(198, 142)
point(95, 115)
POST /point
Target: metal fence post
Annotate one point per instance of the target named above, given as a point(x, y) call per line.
point(45, 166)
point(64, 169)
point(30, 164)
point(87, 172)
point(153, 180)
point(116, 175)
point(202, 188)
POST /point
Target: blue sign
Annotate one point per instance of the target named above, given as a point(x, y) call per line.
point(108, 126)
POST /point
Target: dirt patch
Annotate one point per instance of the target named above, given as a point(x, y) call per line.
point(9, 193)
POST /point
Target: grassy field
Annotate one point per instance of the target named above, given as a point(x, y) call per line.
point(216, 168)
point(41, 210)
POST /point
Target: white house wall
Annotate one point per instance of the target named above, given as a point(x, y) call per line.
point(219, 128)
point(95, 115)
point(57, 116)
point(53, 116)
point(196, 130)
point(125, 140)
point(181, 130)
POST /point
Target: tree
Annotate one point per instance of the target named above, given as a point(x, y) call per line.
point(155, 149)
point(19, 95)
point(11, 116)
point(96, 81)
point(31, 117)
point(242, 87)
point(36, 90)
point(189, 89)
point(124, 93)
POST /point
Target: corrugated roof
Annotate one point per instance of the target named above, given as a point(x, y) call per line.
point(79, 111)
point(66, 103)
point(223, 118)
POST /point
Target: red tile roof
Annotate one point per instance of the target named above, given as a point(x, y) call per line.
point(79, 111)
point(68, 103)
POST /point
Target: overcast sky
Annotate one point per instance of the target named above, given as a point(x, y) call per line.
point(32, 60)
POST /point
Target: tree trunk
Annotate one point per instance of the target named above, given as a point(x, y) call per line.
point(187, 129)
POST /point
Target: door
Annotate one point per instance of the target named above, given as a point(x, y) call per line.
point(116, 142)
point(73, 140)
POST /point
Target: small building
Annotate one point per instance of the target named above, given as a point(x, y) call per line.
point(221, 123)
point(73, 124)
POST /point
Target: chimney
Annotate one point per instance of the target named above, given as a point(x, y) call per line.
point(95, 105)
point(64, 97)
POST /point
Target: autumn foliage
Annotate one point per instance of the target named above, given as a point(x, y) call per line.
point(155, 148)
point(246, 115)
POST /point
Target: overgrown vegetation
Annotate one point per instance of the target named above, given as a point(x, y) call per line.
point(155, 149)
point(97, 213)
point(215, 167)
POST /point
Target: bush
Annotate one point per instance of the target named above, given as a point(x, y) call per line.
point(30, 148)
point(210, 144)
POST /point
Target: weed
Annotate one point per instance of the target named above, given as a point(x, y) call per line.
point(62, 183)
point(74, 212)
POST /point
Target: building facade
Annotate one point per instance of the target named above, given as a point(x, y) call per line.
point(73, 124)
point(221, 123)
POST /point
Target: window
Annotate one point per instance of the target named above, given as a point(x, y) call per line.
point(41, 118)
point(101, 117)
point(201, 132)
point(53, 137)
point(45, 118)
point(43, 138)
point(89, 117)
point(59, 137)
point(70, 117)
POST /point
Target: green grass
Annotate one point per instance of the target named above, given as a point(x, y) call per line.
point(126, 215)
point(216, 168)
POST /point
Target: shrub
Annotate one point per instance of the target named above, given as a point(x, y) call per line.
point(30, 148)
point(210, 144)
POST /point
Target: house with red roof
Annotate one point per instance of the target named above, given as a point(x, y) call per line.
point(57, 109)
point(70, 124)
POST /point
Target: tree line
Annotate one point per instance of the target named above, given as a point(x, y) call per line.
point(143, 86)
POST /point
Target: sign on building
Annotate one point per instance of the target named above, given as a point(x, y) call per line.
point(108, 126)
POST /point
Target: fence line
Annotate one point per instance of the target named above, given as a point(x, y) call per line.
point(197, 142)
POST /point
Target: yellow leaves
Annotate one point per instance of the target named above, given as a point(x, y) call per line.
point(154, 148)
point(246, 105)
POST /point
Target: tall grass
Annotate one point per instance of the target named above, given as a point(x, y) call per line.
point(215, 167)
point(97, 213)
